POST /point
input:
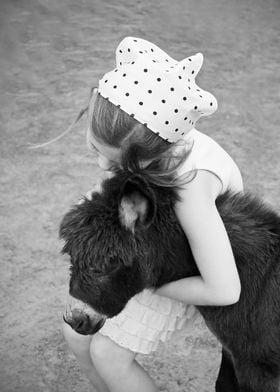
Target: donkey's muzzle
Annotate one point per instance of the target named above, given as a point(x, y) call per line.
point(82, 318)
point(82, 323)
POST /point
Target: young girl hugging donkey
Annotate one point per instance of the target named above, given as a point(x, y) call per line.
point(151, 101)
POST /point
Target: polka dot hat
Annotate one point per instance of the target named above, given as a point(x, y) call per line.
point(157, 90)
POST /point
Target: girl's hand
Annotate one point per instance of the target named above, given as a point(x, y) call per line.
point(88, 195)
point(97, 188)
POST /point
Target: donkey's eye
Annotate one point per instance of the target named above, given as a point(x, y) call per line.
point(96, 271)
point(106, 268)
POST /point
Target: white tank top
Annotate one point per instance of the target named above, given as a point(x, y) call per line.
point(206, 154)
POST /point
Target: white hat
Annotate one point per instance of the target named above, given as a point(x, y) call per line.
point(157, 90)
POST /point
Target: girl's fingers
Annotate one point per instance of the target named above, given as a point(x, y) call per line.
point(88, 195)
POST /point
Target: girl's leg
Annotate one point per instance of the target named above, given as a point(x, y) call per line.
point(118, 367)
point(79, 345)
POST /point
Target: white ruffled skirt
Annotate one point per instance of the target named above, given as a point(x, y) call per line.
point(147, 320)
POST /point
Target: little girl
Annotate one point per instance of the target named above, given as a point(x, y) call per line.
point(151, 101)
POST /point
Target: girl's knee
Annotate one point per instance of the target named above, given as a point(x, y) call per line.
point(106, 354)
point(78, 343)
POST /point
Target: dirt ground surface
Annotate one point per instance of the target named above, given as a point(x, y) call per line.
point(51, 53)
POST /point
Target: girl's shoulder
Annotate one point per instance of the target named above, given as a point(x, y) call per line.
point(205, 148)
point(206, 154)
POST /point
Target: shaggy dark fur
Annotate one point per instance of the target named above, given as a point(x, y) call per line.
point(117, 249)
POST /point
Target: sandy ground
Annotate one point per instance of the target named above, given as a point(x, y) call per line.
point(51, 53)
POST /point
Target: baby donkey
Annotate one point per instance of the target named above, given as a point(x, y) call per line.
point(127, 238)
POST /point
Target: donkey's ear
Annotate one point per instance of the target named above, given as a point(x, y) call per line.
point(137, 203)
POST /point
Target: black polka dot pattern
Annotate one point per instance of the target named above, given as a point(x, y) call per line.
point(157, 90)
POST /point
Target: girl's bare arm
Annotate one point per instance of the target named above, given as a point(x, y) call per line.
point(219, 282)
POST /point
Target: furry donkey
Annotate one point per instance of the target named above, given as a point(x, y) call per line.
point(127, 238)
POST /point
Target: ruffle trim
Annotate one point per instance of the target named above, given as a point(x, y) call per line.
point(147, 320)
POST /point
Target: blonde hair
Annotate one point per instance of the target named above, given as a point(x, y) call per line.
point(111, 126)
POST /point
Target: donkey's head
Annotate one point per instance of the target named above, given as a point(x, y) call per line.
point(118, 245)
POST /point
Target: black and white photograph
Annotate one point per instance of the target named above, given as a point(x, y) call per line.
point(140, 184)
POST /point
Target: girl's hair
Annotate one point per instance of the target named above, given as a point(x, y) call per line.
point(113, 127)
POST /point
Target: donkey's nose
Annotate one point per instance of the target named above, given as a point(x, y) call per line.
point(82, 323)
